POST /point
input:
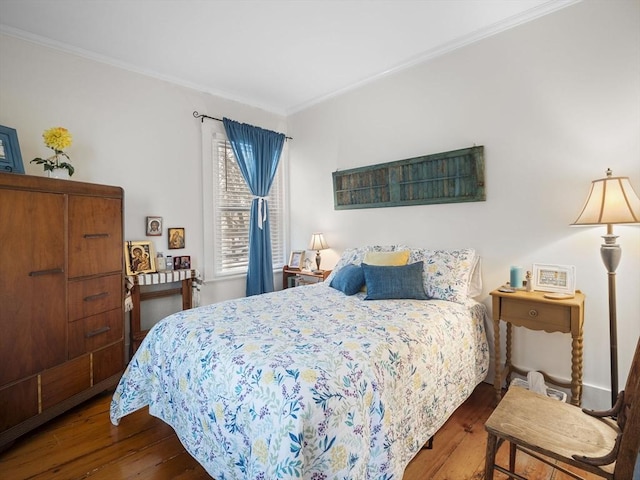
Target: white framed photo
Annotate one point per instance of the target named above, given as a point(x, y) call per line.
point(554, 278)
point(296, 259)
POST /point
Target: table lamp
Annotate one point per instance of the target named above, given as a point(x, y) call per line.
point(611, 200)
point(318, 243)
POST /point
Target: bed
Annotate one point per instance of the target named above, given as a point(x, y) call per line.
point(314, 383)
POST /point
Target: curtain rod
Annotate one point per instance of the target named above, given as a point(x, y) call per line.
point(202, 116)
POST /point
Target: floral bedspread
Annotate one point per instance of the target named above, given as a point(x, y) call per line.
point(307, 382)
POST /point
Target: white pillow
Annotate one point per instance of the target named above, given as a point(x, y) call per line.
point(475, 285)
point(448, 273)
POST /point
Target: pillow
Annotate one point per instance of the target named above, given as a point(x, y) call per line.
point(475, 282)
point(400, 257)
point(447, 273)
point(387, 282)
point(356, 255)
point(349, 279)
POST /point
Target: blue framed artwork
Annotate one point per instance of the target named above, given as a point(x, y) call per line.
point(10, 157)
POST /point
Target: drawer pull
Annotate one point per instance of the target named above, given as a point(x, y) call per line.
point(97, 296)
point(97, 332)
point(51, 271)
point(533, 313)
point(96, 235)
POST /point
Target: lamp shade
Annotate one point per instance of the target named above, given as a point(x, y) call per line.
point(318, 242)
point(611, 200)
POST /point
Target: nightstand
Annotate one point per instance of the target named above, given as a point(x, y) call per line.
point(168, 278)
point(302, 276)
point(533, 311)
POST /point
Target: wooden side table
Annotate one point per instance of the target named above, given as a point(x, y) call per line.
point(311, 277)
point(533, 311)
point(185, 277)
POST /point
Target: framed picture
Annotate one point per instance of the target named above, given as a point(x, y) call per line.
point(139, 257)
point(296, 259)
point(185, 262)
point(554, 278)
point(176, 238)
point(10, 157)
point(154, 226)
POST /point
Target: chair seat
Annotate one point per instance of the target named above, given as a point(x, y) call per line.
point(552, 428)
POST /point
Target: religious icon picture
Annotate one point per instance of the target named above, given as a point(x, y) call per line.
point(139, 258)
point(154, 226)
point(176, 238)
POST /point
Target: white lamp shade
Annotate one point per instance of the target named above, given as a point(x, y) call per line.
point(318, 242)
point(611, 200)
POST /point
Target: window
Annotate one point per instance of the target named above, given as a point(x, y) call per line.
point(228, 208)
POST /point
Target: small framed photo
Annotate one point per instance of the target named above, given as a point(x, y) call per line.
point(176, 238)
point(177, 262)
point(554, 278)
point(10, 157)
point(139, 258)
point(296, 259)
point(185, 262)
point(154, 226)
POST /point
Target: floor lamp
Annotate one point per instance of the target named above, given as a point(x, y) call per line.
point(611, 200)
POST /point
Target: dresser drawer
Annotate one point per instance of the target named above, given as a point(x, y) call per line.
point(91, 333)
point(537, 315)
point(94, 296)
point(18, 402)
point(65, 381)
point(108, 361)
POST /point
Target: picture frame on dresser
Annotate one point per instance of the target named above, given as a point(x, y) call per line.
point(182, 262)
point(296, 259)
point(554, 278)
point(139, 258)
point(10, 156)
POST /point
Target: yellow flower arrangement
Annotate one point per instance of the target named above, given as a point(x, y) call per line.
point(57, 139)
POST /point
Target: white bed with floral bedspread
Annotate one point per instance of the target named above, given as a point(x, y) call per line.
point(310, 382)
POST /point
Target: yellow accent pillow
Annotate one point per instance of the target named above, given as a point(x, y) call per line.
point(387, 259)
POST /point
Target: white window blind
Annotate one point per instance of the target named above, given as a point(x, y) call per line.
point(232, 208)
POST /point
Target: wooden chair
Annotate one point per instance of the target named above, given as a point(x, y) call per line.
point(603, 443)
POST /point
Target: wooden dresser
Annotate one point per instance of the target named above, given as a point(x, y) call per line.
point(61, 297)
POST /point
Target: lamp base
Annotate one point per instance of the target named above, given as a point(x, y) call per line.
point(611, 252)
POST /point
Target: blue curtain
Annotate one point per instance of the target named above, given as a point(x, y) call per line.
point(258, 153)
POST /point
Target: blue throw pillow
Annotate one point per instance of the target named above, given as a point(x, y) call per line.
point(349, 279)
point(394, 282)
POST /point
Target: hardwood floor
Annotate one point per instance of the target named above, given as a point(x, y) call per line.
point(83, 444)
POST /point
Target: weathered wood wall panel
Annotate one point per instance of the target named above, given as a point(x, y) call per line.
point(456, 176)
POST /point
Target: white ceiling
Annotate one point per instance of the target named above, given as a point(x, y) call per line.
point(279, 55)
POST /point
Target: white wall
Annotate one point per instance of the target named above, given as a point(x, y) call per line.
point(128, 130)
point(555, 102)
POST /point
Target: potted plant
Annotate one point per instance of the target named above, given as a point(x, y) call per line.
point(57, 139)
